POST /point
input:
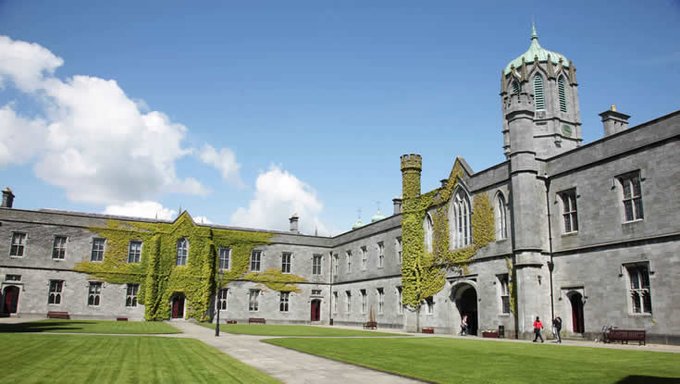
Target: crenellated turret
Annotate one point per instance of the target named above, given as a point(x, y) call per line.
point(411, 167)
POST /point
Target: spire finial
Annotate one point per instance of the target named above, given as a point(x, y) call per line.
point(534, 34)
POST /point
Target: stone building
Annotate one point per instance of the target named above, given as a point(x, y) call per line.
point(587, 232)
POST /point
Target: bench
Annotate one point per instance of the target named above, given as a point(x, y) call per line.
point(230, 321)
point(58, 315)
point(626, 335)
point(257, 320)
point(493, 334)
point(428, 330)
point(371, 325)
point(121, 319)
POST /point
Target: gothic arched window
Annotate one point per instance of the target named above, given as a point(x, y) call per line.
point(501, 218)
point(182, 251)
point(539, 99)
point(428, 229)
point(562, 94)
point(459, 222)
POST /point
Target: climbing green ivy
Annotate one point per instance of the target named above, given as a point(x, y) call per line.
point(159, 276)
point(423, 273)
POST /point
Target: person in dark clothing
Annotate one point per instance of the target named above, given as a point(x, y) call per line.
point(538, 326)
point(557, 324)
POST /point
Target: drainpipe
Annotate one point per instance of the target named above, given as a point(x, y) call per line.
point(330, 290)
point(551, 265)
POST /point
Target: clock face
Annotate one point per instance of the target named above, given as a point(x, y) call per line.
point(566, 130)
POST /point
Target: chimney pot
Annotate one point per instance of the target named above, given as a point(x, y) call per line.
point(7, 198)
point(613, 121)
point(397, 205)
point(294, 223)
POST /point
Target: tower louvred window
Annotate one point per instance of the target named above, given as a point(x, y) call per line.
point(539, 99)
point(563, 97)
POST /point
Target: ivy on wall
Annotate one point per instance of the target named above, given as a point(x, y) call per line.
point(159, 276)
point(423, 273)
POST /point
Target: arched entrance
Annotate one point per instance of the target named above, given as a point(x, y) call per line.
point(576, 300)
point(315, 310)
point(10, 299)
point(465, 296)
point(177, 306)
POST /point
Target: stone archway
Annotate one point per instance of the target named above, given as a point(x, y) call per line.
point(465, 297)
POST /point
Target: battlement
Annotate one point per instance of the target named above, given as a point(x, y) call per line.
point(412, 162)
point(517, 102)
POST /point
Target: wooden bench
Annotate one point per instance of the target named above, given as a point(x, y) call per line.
point(58, 315)
point(257, 320)
point(490, 334)
point(371, 325)
point(230, 321)
point(121, 318)
point(428, 330)
point(626, 335)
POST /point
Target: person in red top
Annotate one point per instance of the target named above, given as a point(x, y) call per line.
point(537, 329)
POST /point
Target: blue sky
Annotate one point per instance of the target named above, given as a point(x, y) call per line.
point(245, 112)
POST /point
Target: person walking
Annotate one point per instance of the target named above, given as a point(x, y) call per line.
point(463, 326)
point(557, 324)
point(538, 326)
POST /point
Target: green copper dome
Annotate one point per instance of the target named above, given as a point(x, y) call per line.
point(535, 50)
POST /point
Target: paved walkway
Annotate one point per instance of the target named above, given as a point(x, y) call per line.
point(284, 364)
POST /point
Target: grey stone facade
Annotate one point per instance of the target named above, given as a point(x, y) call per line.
point(584, 262)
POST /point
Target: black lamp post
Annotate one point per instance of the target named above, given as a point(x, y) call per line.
point(220, 273)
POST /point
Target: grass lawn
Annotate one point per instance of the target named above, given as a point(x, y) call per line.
point(291, 330)
point(118, 359)
point(445, 360)
point(91, 326)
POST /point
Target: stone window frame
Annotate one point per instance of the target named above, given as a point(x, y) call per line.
point(94, 293)
point(253, 300)
point(400, 305)
point(348, 259)
point(222, 299)
point(428, 230)
point(569, 210)
point(134, 252)
point(317, 260)
point(460, 219)
point(348, 304)
point(399, 246)
point(364, 257)
point(284, 301)
point(364, 301)
point(381, 254)
point(539, 92)
point(224, 258)
point(335, 302)
point(59, 246)
point(504, 293)
point(55, 292)
point(182, 252)
point(501, 214)
point(381, 300)
point(18, 249)
point(429, 305)
point(639, 286)
point(256, 260)
point(98, 248)
point(286, 262)
point(631, 200)
point(131, 292)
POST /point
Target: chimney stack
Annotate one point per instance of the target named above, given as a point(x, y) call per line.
point(613, 121)
point(294, 223)
point(397, 205)
point(7, 198)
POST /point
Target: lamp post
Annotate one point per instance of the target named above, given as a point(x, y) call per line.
point(220, 273)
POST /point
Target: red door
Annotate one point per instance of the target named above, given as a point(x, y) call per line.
point(577, 313)
point(178, 307)
point(11, 300)
point(316, 310)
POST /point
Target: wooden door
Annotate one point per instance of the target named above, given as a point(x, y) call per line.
point(178, 307)
point(316, 310)
point(11, 299)
point(577, 321)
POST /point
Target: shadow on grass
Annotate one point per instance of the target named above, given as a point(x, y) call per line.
point(42, 326)
point(635, 379)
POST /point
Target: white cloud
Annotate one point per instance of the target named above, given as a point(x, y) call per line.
point(26, 63)
point(278, 194)
point(20, 138)
point(95, 142)
point(224, 161)
point(148, 209)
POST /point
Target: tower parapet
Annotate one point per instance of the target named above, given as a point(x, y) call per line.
point(411, 167)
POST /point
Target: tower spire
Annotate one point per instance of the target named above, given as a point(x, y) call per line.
point(534, 34)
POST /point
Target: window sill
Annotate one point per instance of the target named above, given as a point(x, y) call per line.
point(502, 240)
point(633, 221)
point(16, 257)
point(572, 233)
point(640, 314)
point(504, 314)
